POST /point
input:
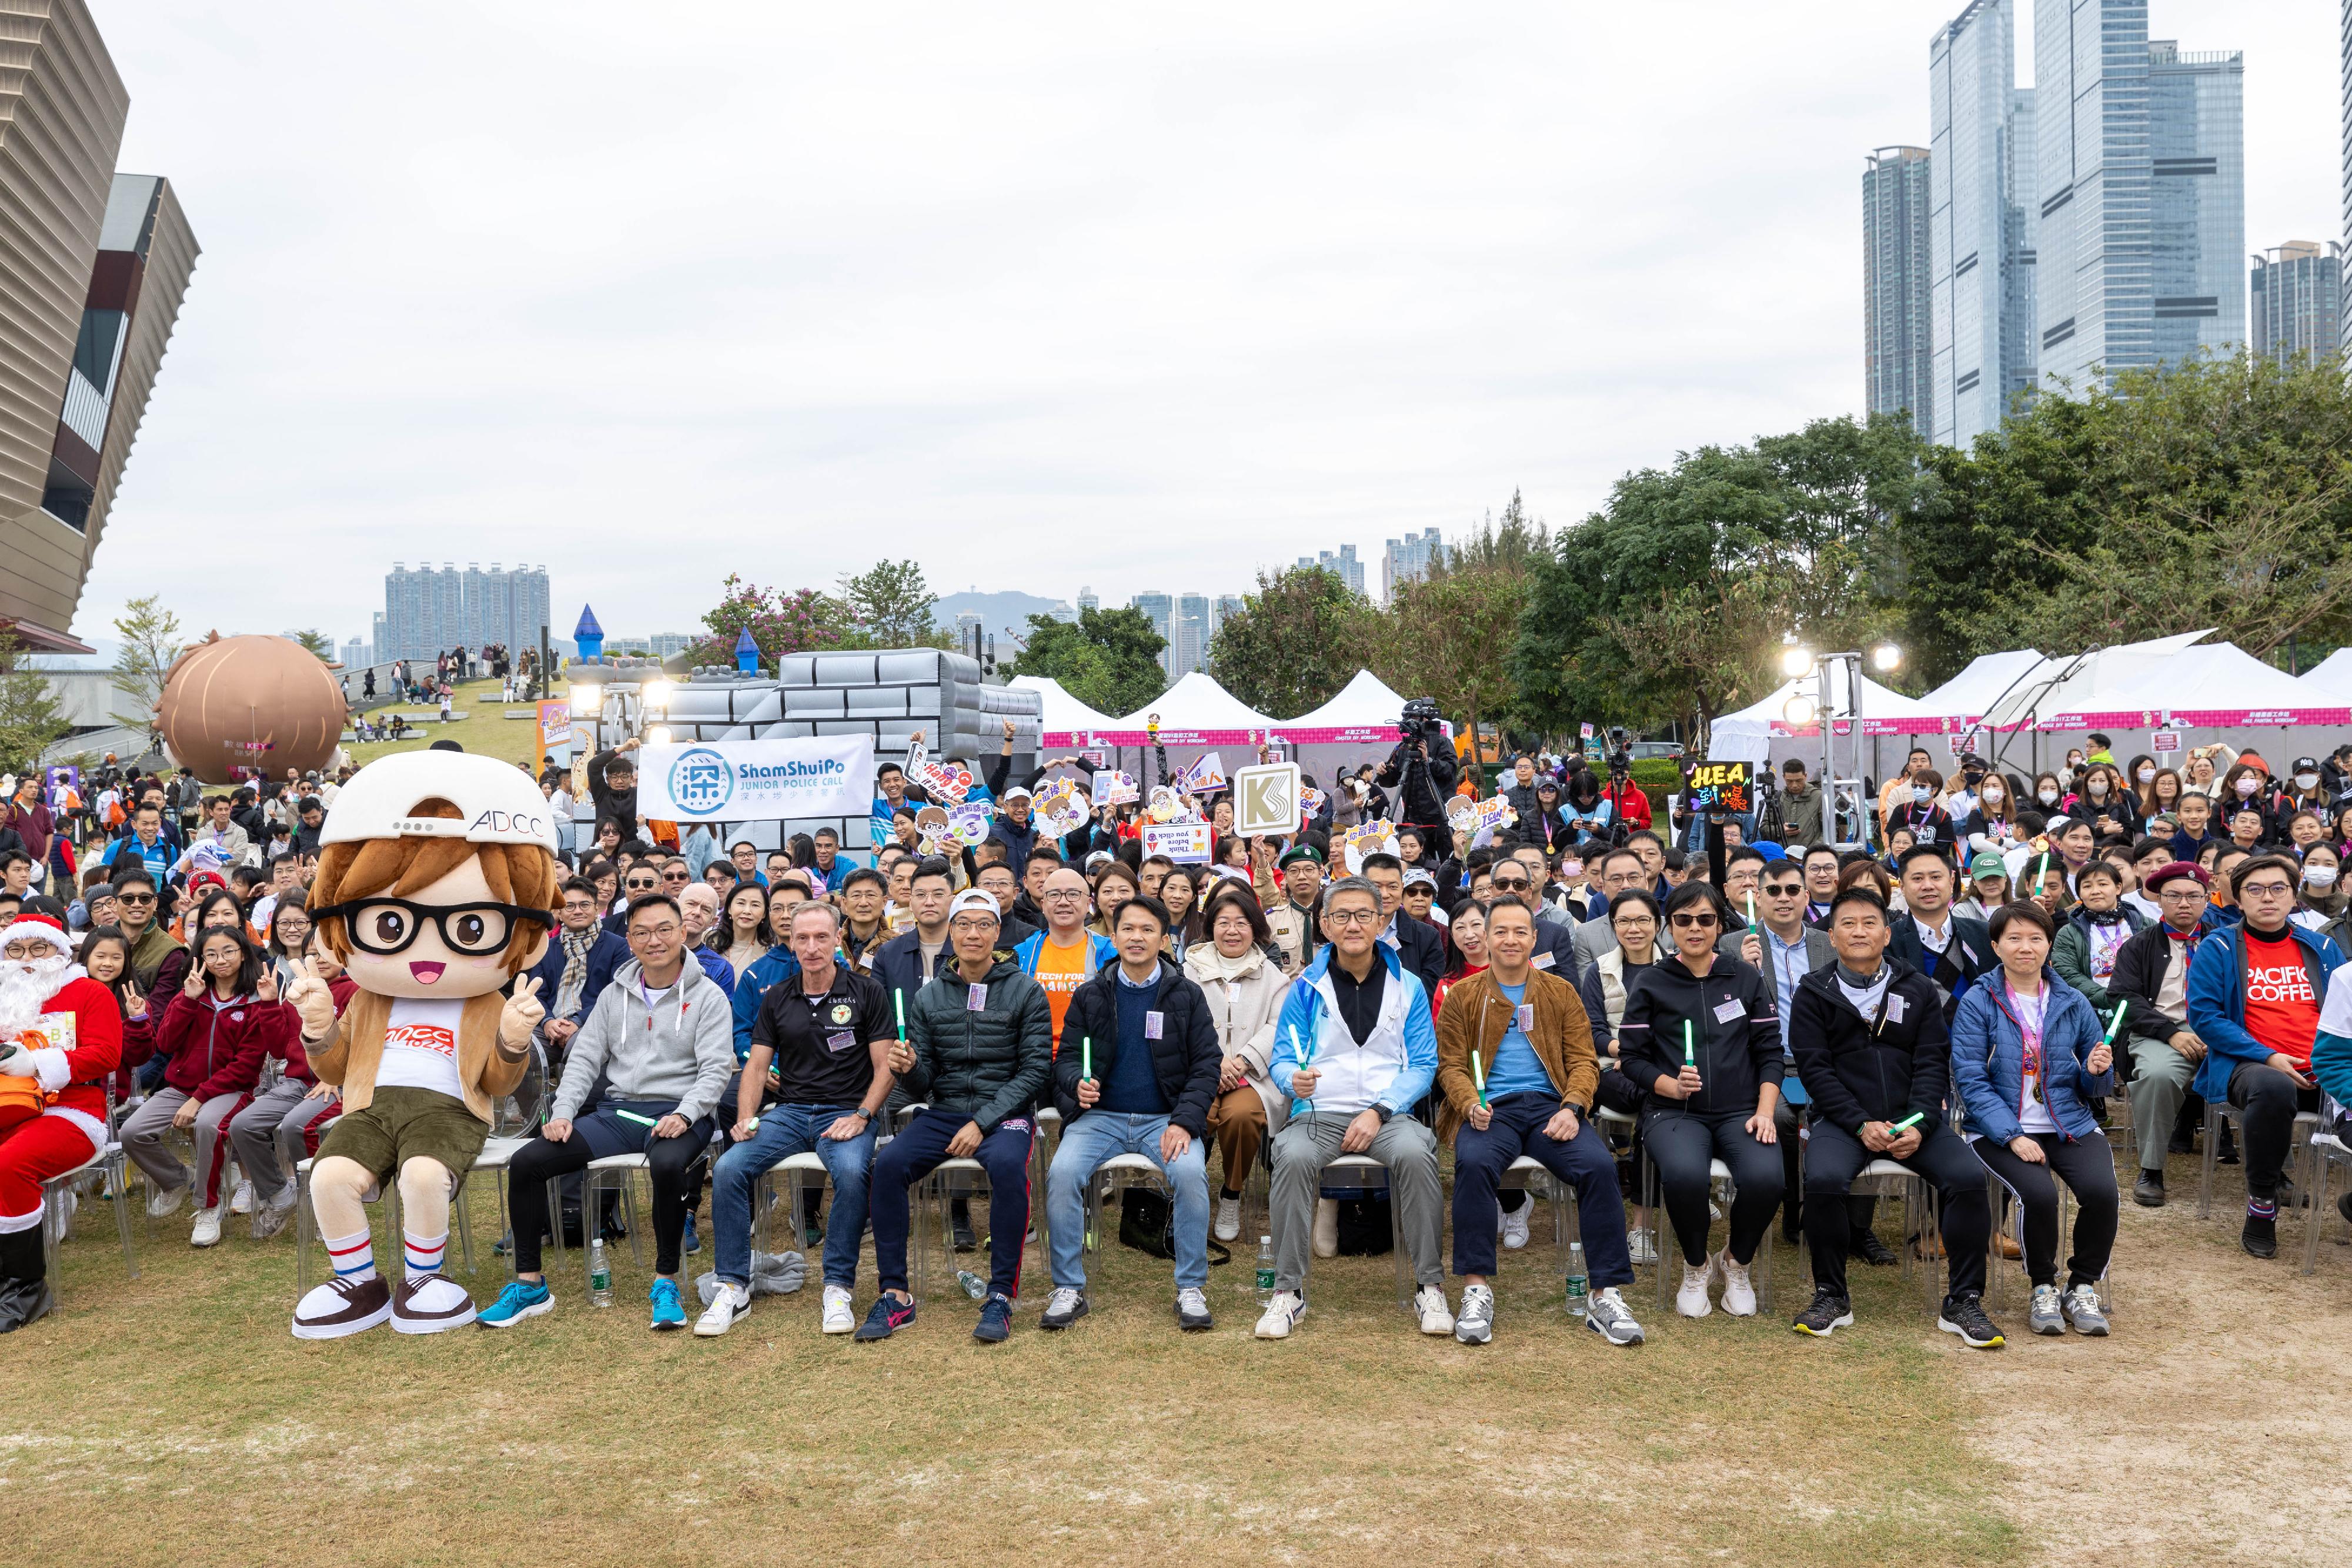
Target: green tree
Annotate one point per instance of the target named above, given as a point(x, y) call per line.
point(781, 621)
point(315, 642)
point(1295, 642)
point(889, 606)
point(149, 644)
point(1107, 659)
point(30, 719)
point(1448, 638)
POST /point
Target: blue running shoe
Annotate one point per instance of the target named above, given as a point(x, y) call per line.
point(521, 1299)
point(668, 1313)
point(693, 1236)
point(886, 1317)
point(995, 1325)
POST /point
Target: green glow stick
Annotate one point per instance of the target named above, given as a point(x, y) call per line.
point(1905, 1125)
point(2042, 871)
point(898, 999)
point(633, 1116)
point(1690, 1055)
point(1751, 912)
point(1296, 1050)
point(2115, 1022)
point(1478, 1073)
point(1086, 1056)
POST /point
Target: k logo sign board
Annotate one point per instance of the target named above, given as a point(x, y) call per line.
point(757, 780)
point(1266, 800)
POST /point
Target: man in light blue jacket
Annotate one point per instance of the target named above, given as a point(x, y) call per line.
point(1356, 1050)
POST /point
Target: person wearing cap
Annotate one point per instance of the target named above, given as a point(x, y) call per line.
point(979, 1051)
point(61, 1040)
point(435, 890)
point(2151, 980)
point(1289, 908)
point(2303, 789)
point(1988, 887)
point(1420, 898)
point(1012, 828)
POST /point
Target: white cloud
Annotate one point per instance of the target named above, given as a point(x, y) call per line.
point(1044, 296)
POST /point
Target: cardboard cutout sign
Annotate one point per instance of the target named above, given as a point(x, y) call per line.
point(1311, 802)
point(1372, 838)
point(1205, 776)
point(1267, 799)
point(1186, 843)
point(1471, 816)
point(968, 824)
point(946, 781)
point(1112, 789)
point(1058, 809)
point(1726, 787)
point(932, 833)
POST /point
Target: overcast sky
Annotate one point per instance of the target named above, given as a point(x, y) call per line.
point(1042, 295)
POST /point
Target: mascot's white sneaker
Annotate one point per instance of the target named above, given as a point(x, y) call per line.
point(341, 1307)
point(429, 1303)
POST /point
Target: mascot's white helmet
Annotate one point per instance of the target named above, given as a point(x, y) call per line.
point(496, 803)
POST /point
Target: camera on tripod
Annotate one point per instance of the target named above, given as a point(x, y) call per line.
point(1422, 721)
point(1621, 757)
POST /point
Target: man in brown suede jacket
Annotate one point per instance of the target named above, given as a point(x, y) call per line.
point(1516, 1075)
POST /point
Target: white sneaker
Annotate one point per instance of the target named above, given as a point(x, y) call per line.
point(1514, 1227)
point(163, 1202)
point(1436, 1317)
point(1327, 1228)
point(731, 1302)
point(1691, 1300)
point(1738, 1293)
point(1228, 1219)
point(1476, 1324)
point(840, 1314)
point(1641, 1248)
point(271, 1217)
point(241, 1200)
point(207, 1230)
point(1281, 1313)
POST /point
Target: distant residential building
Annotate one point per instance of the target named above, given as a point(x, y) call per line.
point(428, 612)
point(1062, 611)
point(1159, 608)
point(1189, 634)
point(376, 642)
point(1898, 342)
point(1089, 600)
point(2296, 301)
point(2143, 181)
point(667, 644)
point(1227, 606)
point(1409, 560)
point(1342, 564)
point(355, 653)
point(1980, 231)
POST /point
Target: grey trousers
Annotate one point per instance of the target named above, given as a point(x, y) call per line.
point(267, 1134)
point(142, 1140)
point(1306, 1144)
point(2160, 1079)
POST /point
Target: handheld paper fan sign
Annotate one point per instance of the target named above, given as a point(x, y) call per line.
point(1058, 809)
point(1165, 806)
point(1368, 839)
point(1114, 789)
point(1462, 816)
point(1205, 776)
point(932, 833)
point(1266, 800)
point(1493, 812)
point(968, 824)
point(946, 782)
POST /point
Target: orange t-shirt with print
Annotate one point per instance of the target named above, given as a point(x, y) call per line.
point(1061, 970)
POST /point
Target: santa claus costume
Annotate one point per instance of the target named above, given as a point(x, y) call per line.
point(62, 1030)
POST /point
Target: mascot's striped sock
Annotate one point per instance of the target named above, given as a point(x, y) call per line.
point(425, 1252)
point(355, 1258)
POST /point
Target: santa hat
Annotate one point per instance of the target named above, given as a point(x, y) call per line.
point(37, 928)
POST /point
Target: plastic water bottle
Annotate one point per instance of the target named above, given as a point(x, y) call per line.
point(973, 1285)
point(1266, 1271)
point(1579, 1285)
point(600, 1275)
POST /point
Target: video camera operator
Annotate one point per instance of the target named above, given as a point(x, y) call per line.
point(1422, 771)
point(1629, 808)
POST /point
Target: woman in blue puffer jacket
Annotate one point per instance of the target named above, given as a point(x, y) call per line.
point(2028, 1056)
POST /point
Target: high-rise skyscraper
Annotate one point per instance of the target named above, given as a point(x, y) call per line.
point(1897, 338)
point(2142, 162)
point(428, 612)
point(2296, 294)
point(93, 266)
point(1981, 252)
point(1189, 647)
point(1089, 600)
point(1157, 608)
point(377, 640)
point(354, 653)
point(1408, 559)
point(2344, 76)
point(1341, 564)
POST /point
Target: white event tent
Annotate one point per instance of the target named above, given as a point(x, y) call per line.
point(2332, 676)
point(1357, 725)
point(1751, 734)
point(1067, 721)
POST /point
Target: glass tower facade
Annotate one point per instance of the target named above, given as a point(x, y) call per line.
point(1982, 181)
point(2296, 292)
point(1897, 344)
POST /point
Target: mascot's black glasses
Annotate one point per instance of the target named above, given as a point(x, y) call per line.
point(385, 927)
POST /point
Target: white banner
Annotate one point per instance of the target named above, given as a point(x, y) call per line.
point(1186, 843)
point(756, 781)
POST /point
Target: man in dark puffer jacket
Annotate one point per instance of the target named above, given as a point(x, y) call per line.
point(980, 1049)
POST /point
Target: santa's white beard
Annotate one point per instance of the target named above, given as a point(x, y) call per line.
point(26, 987)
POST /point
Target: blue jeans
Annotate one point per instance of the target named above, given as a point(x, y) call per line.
point(792, 1130)
point(1094, 1137)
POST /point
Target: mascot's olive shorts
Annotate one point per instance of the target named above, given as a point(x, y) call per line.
point(399, 1124)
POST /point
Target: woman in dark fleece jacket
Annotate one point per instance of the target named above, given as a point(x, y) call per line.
point(1702, 1034)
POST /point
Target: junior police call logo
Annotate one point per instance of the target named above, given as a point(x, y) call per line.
point(701, 781)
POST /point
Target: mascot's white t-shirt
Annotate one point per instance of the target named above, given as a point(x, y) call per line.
point(420, 1046)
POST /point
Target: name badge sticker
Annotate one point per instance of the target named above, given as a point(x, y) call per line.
point(975, 999)
point(840, 1040)
point(1544, 961)
point(1153, 1023)
point(1894, 1007)
point(1731, 1012)
point(1526, 1017)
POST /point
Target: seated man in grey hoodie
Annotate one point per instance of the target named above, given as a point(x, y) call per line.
point(662, 1037)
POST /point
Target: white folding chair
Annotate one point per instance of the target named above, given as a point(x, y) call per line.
point(1917, 1211)
point(2322, 1155)
point(305, 1229)
point(616, 1171)
point(941, 1179)
point(1366, 1174)
point(2306, 1122)
point(1565, 1219)
point(58, 1200)
point(1117, 1171)
point(795, 1169)
point(1721, 1188)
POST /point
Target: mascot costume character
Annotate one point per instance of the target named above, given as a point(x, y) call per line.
point(60, 1038)
point(436, 887)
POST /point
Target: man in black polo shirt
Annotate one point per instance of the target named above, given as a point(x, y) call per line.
point(828, 1031)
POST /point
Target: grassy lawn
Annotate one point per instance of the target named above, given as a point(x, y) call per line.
point(485, 728)
point(175, 1420)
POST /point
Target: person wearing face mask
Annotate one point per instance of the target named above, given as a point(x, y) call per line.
point(2336, 775)
point(2111, 808)
point(1991, 825)
point(2242, 785)
point(2300, 792)
point(2322, 907)
point(2049, 793)
point(1898, 791)
point(1960, 790)
point(1919, 814)
point(2140, 779)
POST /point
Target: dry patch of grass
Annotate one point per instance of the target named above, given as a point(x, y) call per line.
point(175, 1420)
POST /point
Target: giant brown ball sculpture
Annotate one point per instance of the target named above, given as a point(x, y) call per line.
point(233, 705)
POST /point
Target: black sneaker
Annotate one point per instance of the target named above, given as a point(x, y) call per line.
point(2260, 1236)
point(2148, 1191)
point(995, 1325)
point(1868, 1247)
point(1828, 1313)
point(2228, 1152)
point(2182, 1142)
point(1066, 1307)
point(1965, 1316)
point(965, 1241)
point(886, 1317)
point(2288, 1195)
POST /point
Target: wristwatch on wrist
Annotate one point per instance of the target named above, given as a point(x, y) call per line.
point(863, 1112)
point(1383, 1113)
